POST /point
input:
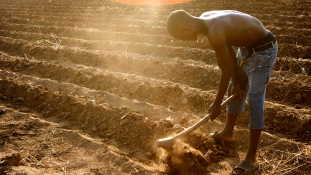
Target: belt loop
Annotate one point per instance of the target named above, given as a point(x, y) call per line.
point(272, 44)
point(253, 50)
point(242, 62)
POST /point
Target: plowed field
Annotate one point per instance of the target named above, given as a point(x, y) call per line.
point(87, 87)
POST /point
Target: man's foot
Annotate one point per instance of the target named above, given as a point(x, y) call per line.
point(245, 168)
point(219, 136)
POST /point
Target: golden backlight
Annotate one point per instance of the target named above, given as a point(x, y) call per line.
point(151, 2)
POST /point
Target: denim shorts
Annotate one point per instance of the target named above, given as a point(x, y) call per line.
point(253, 76)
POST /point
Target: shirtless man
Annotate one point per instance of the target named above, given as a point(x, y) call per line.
point(249, 71)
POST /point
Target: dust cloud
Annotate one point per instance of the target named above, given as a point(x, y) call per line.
point(182, 159)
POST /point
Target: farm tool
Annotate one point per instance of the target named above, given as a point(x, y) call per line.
point(167, 143)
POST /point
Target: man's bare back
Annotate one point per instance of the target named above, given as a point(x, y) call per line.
point(240, 29)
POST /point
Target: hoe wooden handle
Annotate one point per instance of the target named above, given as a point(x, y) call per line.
point(167, 143)
point(205, 118)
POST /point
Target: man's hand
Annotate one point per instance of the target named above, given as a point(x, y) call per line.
point(214, 111)
point(236, 91)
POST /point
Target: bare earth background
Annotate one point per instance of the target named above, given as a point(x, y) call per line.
point(87, 87)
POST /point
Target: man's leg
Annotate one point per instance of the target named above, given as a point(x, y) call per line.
point(250, 158)
point(237, 106)
point(252, 146)
point(258, 73)
point(227, 133)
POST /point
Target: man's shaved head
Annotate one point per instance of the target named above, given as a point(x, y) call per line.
point(176, 21)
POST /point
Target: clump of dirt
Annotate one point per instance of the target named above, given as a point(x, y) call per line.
point(7, 161)
point(11, 160)
point(182, 159)
point(194, 153)
point(2, 111)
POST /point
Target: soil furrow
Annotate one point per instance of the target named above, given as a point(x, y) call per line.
point(174, 69)
point(95, 18)
point(118, 127)
point(289, 45)
point(195, 102)
point(297, 66)
point(82, 38)
point(146, 28)
point(45, 142)
point(294, 7)
point(167, 94)
point(151, 49)
point(299, 21)
point(97, 96)
point(301, 40)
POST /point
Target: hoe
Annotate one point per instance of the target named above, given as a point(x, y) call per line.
point(167, 143)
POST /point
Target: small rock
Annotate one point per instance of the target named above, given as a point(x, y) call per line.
point(102, 135)
point(275, 121)
point(184, 101)
point(124, 122)
point(141, 157)
point(173, 107)
point(177, 126)
point(297, 107)
point(298, 98)
point(148, 154)
point(26, 110)
point(20, 99)
point(102, 126)
point(183, 121)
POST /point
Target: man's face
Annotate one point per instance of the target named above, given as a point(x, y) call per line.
point(188, 33)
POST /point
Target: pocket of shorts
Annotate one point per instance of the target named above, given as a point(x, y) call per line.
point(261, 74)
point(262, 61)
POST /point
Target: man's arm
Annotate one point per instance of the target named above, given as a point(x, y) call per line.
point(226, 61)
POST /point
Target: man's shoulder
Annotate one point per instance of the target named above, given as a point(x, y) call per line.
point(214, 12)
point(216, 28)
point(217, 24)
